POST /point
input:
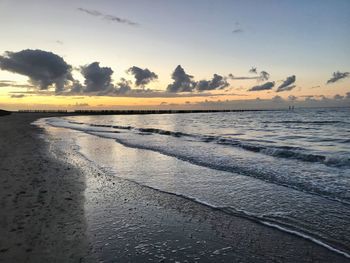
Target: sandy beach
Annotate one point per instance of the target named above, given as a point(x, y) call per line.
point(57, 207)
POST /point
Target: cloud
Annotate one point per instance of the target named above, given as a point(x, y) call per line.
point(338, 76)
point(17, 96)
point(182, 81)
point(253, 70)
point(123, 86)
point(277, 99)
point(238, 29)
point(107, 17)
point(338, 97)
point(43, 68)
point(142, 76)
point(347, 95)
point(76, 87)
point(286, 85)
point(13, 84)
point(97, 79)
point(292, 98)
point(90, 12)
point(265, 86)
point(217, 82)
point(231, 76)
point(263, 75)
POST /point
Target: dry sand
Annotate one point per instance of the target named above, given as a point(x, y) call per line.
point(66, 210)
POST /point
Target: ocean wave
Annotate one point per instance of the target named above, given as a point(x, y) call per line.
point(325, 122)
point(163, 132)
point(260, 219)
point(287, 152)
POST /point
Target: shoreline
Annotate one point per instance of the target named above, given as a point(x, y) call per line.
point(110, 200)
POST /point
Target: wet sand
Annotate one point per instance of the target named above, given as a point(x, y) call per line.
point(57, 207)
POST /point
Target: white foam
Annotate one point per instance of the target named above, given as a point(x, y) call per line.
point(319, 242)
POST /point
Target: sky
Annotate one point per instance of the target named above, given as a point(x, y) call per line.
point(189, 54)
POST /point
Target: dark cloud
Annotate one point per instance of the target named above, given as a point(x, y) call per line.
point(292, 98)
point(217, 82)
point(338, 97)
point(231, 76)
point(348, 95)
point(107, 17)
point(265, 86)
point(76, 87)
point(120, 20)
point(97, 79)
point(238, 30)
point(253, 70)
point(338, 76)
point(182, 81)
point(263, 75)
point(13, 84)
point(290, 87)
point(123, 86)
point(90, 12)
point(43, 68)
point(287, 84)
point(277, 99)
point(310, 99)
point(142, 76)
point(17, 96)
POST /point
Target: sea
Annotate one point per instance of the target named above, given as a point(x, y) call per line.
point(287, 169)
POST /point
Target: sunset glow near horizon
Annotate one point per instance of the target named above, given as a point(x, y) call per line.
point(304, 46)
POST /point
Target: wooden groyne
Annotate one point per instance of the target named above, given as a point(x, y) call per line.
point(128, 112)
point(140, 112)
point(43, 111)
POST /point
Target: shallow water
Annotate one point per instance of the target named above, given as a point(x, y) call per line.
point(289, 169)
